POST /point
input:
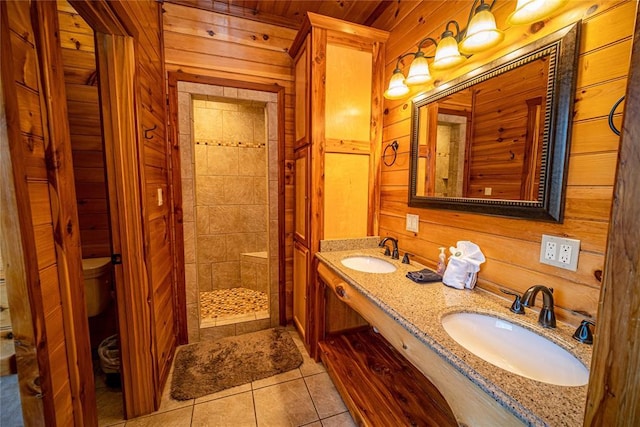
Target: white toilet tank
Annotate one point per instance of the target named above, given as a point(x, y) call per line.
point(97, 284)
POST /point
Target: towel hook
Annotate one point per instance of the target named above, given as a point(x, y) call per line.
point(149, 130)
point(394, 147)
point(613, 110)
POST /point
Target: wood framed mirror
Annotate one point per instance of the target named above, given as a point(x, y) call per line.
point(496, 140)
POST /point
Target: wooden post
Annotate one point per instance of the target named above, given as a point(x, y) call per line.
point(614, 386)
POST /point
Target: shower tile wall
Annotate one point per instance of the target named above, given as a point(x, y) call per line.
point(231, 188)
point(188, 95)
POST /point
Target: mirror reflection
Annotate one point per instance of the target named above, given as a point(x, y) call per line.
point(496, 140)
point(486, 141)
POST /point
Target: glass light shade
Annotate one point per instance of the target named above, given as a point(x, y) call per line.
point(447, 54)
point(528, 11)
point(397, 88)
point(419, 71)
point(482, 33)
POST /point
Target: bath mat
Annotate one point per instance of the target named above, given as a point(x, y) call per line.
point(211, 366)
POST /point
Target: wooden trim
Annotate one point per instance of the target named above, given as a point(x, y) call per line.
point(65, 214)
point(614, 396)
point(377, 114)
point(320, 22)
point(282, 287)
point(176, 218)
point(21, 267)
point(117, 70)
point(218, 81)
point(100, 17)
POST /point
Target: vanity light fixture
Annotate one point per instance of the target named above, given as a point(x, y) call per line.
point(480, 34)
point(528, 11)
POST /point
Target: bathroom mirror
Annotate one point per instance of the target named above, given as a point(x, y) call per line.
point(496, 140)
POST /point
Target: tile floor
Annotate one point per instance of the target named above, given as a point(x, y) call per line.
point(302, 397)
point(226, 306)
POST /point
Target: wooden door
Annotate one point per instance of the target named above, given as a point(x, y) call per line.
point(302, 69)
point(300, 288)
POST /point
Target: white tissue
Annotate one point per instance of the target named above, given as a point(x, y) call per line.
point(464, 265)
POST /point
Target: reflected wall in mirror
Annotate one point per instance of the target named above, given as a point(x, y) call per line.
point(496, 140)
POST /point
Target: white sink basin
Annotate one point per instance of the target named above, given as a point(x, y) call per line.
point(368, 264)
point(515, 349)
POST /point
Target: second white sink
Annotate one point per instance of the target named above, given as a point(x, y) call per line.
point(368, 264)
point(515, 349)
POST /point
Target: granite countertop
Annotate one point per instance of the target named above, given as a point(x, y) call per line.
point(419, 308)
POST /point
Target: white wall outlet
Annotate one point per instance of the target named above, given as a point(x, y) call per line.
point(550, 249)
point(412, 222)
point(560, 252)
point(488, 191)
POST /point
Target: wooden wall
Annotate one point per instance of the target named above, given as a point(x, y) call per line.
point(81, 84)
point(214, 45)
point(511, 245)
point(35, 149)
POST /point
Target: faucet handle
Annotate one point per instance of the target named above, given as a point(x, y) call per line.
point(517, 306)
point(387, 252)
point(405, 258)
point(583, 333)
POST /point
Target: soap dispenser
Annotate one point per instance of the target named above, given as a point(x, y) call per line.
point(442, 259)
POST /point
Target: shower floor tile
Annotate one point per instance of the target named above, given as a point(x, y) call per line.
point(235, 305)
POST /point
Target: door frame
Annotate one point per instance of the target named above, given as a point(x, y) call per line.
point(115, 56)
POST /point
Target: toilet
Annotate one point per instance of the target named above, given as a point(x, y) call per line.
point(97, 284)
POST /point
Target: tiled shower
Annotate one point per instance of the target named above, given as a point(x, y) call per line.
point(229, 180)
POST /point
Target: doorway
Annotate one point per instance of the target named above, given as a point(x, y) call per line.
point(77, 40)
point(232, 205)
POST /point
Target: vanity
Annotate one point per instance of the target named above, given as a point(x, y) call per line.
point(409, 317)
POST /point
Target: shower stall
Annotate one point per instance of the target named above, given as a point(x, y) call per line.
point(229, 171)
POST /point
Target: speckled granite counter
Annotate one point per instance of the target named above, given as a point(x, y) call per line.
point(419, 309)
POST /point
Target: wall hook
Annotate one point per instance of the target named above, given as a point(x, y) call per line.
point(613, 110)
point(394, 147)
point(146, 135)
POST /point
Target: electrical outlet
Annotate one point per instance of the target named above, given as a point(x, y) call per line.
point(550, 251)
point(412, 222)
point(564, 255)
point(560, 252)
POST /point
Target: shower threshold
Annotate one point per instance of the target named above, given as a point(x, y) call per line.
point(227, 306)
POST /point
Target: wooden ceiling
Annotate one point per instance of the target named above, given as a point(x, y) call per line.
point(289, 13)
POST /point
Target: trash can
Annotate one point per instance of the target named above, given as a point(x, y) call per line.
point(109, 354)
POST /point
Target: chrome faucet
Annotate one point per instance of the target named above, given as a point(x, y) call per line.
point(395, 254)
point(547, 318)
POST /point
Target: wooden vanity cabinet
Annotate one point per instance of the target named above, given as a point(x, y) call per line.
point(339, 82)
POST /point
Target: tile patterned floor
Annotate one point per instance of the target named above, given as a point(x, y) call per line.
point(225, 306)
point(302, 397)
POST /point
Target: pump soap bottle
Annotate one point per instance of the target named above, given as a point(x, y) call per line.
point(442, 259)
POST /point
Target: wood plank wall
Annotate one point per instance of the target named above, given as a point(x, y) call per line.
point(145, 24)
point(214, 45)
point(28, 142)
point(81, 85)
point(511, 245)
